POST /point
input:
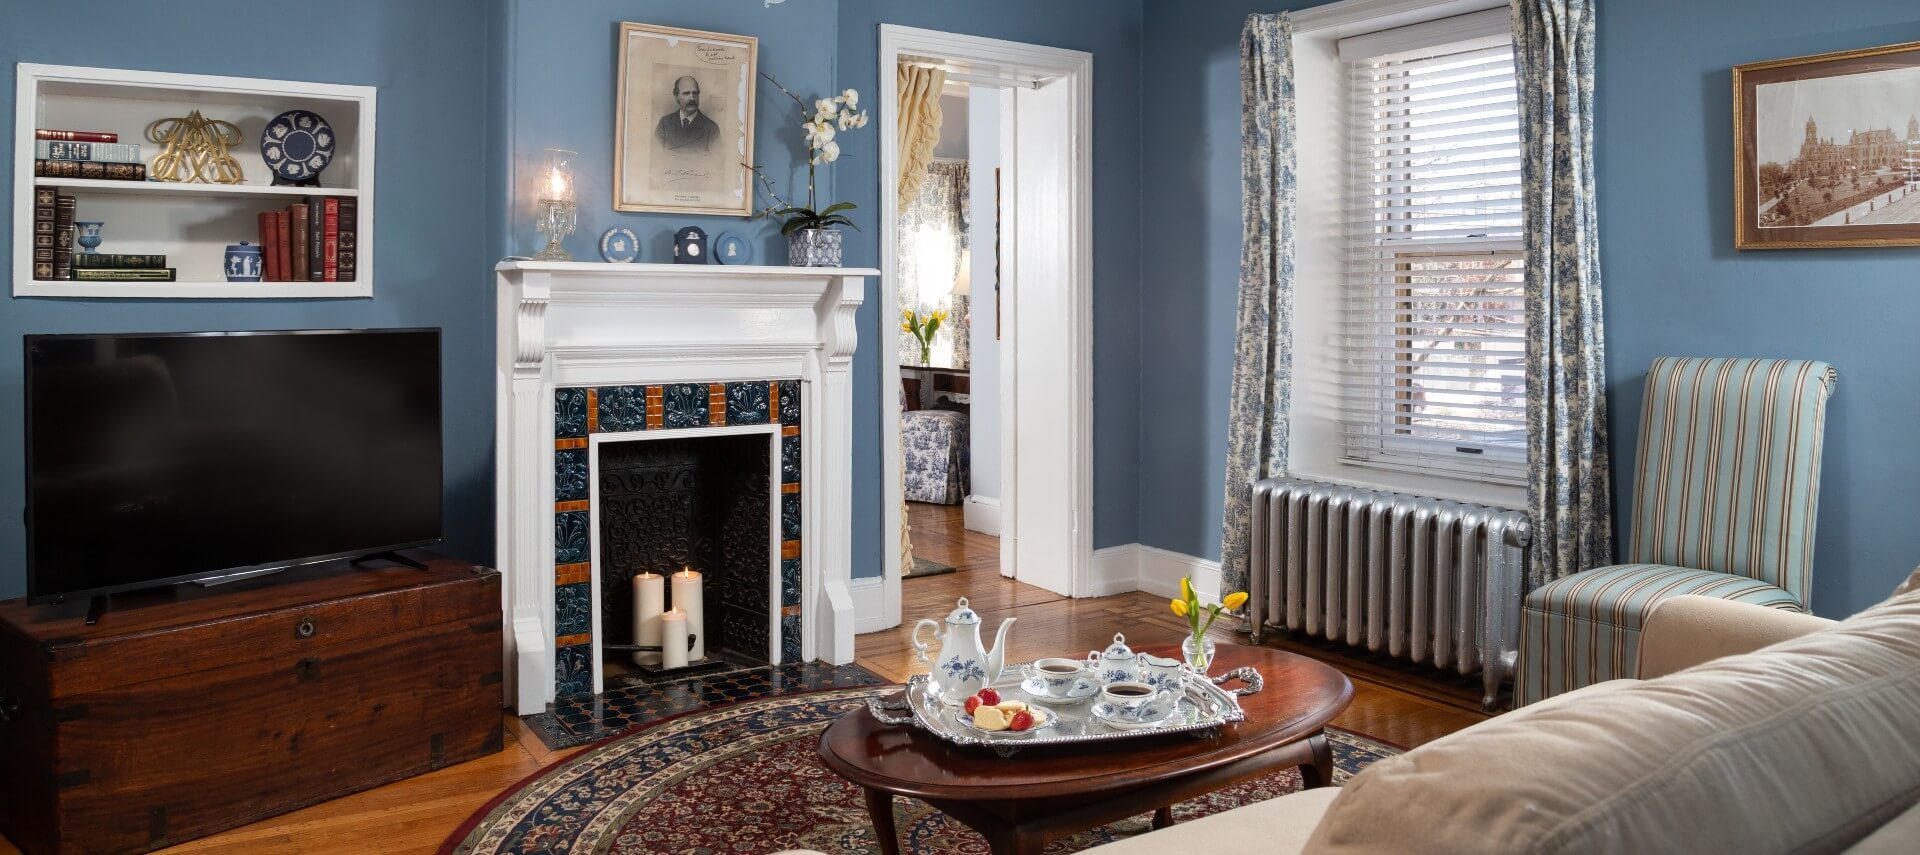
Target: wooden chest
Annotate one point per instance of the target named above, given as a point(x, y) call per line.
point(190, 710)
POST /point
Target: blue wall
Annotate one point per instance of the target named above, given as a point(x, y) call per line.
point(1190, 274)
point(1676, 286)
point(429, 58)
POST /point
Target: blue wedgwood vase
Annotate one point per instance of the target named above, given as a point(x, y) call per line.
point(243, 262)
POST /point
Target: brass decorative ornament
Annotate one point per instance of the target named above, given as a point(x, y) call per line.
point(195, 150)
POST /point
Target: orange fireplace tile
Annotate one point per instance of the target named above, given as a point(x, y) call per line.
point(571, 640)
point(593, 411)
point(574, 441)
point(577, 505)
point(790, 430)
point(784, 488)
point(789, 611)
point(656, 414)
point(568, 574)
point(788, 549)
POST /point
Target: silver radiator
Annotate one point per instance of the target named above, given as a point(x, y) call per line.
point(1430, 580)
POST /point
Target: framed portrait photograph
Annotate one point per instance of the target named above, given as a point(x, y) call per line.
point(684, 121)
point(1827, 150)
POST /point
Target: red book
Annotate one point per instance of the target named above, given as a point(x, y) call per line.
point(75, 136)
point(330, 249)
point(281, 250)
point(268, 264)
point(301, 229)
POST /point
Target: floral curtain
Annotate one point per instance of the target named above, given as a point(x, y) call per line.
point(1263, 355)
point(1568, 492)
point(919, 111)
point(932, 241)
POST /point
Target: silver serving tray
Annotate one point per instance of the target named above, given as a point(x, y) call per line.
point(1203, 706)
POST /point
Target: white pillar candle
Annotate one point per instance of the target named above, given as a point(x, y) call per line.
point(686, 598)
point(649, 600)
point(673, 639)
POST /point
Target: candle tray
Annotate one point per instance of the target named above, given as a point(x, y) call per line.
point(1202, 707)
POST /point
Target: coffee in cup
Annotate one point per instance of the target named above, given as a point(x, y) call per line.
point(1061, 678)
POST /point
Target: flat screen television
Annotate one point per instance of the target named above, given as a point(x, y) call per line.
point(155, 459)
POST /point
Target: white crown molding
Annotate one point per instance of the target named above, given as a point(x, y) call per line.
point(1354, 17)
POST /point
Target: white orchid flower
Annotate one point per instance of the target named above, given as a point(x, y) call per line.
point(823, 109)
point(860, 121)
point(827, 153)
point(844, 120)
point(850, 98)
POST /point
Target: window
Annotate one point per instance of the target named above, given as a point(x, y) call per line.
point(1434, 313)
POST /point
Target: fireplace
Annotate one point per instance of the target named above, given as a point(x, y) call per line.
point(649, 415)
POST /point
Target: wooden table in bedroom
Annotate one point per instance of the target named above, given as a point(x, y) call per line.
point(1021, 802)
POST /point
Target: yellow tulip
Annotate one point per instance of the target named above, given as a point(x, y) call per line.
point(1235, 600)
point(1186, 588)
point(1180, 607)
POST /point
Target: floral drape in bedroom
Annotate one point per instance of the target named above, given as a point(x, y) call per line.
point(1263, 351)
point(932, 240)
point(1568, 492)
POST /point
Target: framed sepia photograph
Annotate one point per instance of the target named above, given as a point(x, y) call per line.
point(1827, 150)
point(684, 121)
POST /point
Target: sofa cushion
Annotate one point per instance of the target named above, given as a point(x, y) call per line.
point(1899, 837)
point(1273, 827)
point(1807, 745)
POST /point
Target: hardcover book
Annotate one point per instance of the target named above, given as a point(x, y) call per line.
point(80, 136)
point(297, 214)
point(98, 152)
point(269, 260)
point(316, 240)
point(64, 208)
point(43, 168)
point(108, 274)
point(349, 239)
point(330, 252)
point(282, 248)
point(118, 260)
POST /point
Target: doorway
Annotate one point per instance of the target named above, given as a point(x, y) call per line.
point(996, 239)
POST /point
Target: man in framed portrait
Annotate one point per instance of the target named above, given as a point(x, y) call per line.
point(686, 130)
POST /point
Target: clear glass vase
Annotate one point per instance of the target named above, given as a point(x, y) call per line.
point(1199, 658)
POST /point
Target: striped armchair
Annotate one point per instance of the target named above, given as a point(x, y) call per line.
point(1724, 503)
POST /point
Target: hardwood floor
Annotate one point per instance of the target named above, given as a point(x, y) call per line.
point(415, 815)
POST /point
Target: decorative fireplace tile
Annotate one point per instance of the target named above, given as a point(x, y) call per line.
point(789, 638)
point(572, 609)
point(789, 581)
point(684, 405)
point(747, 403)
point(790, 460)
point(790, 516)
point(581, 412)
point(790, 402)
point(570, 544)
point(569, 412)
point(570, 475)
point(573, 670)
point(622, 408)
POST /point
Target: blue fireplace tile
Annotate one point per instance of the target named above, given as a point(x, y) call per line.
point(684, 405)
point(747, 403)
point(790, 402)
point(790, 516)
point(789, 581)
point(622, 408)
point(570, 537)
point(569, 413)
point(573, 670)
point(789, 460)
point(789, 639)
point(572, 609)
point(570, 475)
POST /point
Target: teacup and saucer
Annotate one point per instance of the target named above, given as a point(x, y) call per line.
point(1059, 681)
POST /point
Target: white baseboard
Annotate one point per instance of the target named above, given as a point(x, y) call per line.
point(1116, 570)
point(981, 514)
point(869, 604)
point(1161, 569)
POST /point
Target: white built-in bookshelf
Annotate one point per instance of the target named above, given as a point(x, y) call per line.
point(191, 224)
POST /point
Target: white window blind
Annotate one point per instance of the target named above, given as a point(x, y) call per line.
point(1435, 347)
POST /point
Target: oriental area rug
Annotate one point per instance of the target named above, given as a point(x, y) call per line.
point(746, 779)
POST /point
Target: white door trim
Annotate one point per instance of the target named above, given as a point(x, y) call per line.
point(1058, 67)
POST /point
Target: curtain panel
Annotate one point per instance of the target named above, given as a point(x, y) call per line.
point(1569, 494)
point(1263, 349)
point(932, 239)
point(919, 112)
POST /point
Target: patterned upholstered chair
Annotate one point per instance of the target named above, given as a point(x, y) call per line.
point(1724, 503)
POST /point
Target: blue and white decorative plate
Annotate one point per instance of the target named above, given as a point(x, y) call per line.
point(297, 144)
point(619, 245)
point(731, 248)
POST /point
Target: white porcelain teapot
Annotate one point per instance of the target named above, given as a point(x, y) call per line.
point(1116, 664)
point(963, 666)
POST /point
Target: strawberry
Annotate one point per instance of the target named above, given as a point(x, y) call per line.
point(989, 697)
point(973, 703)
point(1021, 721)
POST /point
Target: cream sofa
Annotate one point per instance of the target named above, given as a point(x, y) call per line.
point(1748, 730)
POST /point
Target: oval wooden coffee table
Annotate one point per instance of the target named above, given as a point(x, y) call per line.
point(1019, 803)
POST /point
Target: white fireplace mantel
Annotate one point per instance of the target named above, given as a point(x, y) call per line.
point(571, 324)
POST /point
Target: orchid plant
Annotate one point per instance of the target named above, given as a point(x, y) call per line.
point(821, 122)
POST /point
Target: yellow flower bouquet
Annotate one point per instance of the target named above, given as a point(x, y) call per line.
point(1199, 648)
point(922, 328)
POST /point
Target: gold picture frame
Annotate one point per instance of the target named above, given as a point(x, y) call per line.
point(1826, 150)
point(683, 122)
